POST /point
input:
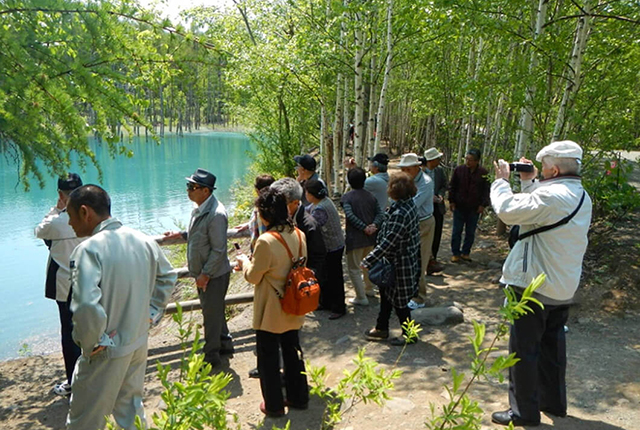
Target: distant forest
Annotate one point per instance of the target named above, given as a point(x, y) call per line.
point(506, 77)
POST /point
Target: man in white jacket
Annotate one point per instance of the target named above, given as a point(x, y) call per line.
point(120, 282)
point(537, 381)
point(61, 240)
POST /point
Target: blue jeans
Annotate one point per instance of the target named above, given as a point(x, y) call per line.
point(467, 220)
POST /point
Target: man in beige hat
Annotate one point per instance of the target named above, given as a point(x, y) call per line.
point(554, 215)
point(410, 164)
point(440, 182)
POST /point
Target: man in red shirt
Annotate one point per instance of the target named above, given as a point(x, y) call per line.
point(468, 196)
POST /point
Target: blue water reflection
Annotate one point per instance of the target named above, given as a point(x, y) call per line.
point(148, 193)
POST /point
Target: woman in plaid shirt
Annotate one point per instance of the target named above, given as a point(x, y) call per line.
point(399, 243)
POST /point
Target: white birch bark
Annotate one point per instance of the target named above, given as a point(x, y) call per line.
point(385, 83)
point(358, 126)
point(476, 67)
point(345, 135)
point(495, 129)
point(337, 135)
point(573, 71)
point(326, 148)
point(371, 123)
point(427, 133)
point(339, 141)
point(525, 131)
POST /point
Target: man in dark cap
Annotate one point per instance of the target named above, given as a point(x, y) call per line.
point(377, 183)
point(306, 170)
point(208, 262)
point(61, 240)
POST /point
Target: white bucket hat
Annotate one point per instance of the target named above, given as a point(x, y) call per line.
point(432, 154)
point(561, 149)
point(408, 160)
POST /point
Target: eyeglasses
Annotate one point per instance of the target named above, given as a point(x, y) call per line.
point(192, 187)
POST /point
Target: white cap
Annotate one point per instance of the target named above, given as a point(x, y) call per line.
point(408, 160)
point(561, 149)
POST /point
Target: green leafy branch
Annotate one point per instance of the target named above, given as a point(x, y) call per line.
point(461, 412)
point(365, 384)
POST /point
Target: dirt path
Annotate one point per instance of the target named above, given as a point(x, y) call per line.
point(603, 380)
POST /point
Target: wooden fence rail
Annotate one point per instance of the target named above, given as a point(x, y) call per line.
point(183, 272)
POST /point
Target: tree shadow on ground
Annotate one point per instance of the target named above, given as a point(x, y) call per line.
point(578, 423)
point(311, 418)
point(243, 341)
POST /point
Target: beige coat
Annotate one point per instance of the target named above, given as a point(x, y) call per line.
point(268, 270)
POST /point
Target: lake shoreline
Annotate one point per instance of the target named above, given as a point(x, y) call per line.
point(148, 194)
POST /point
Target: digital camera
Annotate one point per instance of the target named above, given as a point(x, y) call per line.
point(521, 167)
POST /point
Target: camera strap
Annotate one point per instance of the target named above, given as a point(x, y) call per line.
point(552, 226)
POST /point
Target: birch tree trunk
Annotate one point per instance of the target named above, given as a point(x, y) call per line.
point(573, 71)
point(358, 126)
point(345, 135)
point(526, 117)
point(161, 94)
point(326, 148)
point(337, 135)
point(497, 125)
point(385, 83)
point(340, 118)
point(371, 123)
point(476, 67)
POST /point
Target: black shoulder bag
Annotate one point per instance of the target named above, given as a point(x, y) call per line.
point(514, 233)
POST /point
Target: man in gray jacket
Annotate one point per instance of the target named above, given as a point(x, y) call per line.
point(120, 283)
point(208, 262)
point(537, 381)
point(433, 169)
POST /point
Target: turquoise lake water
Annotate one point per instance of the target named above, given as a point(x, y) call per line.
point(147, 192)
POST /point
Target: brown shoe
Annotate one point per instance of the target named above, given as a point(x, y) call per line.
point(455, 258)
point(465, 257)
point(375, 334)
point(434, 267)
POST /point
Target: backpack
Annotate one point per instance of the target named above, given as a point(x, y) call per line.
point(301, 289)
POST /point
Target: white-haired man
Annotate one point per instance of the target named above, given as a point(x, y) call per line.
point(560, 203)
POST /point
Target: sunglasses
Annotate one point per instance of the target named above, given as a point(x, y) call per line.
point(192, 187)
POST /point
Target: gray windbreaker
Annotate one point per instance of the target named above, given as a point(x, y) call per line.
point(119, 279)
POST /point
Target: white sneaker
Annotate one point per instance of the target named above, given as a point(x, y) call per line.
point(360, 302)
point(413, 305)
point(62, 389)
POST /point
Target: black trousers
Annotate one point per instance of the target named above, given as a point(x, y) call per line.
point(332, 283)
point(537, 381)
point(384, 315)
point(268, 345)
point(437, 236)
point(70, 351)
